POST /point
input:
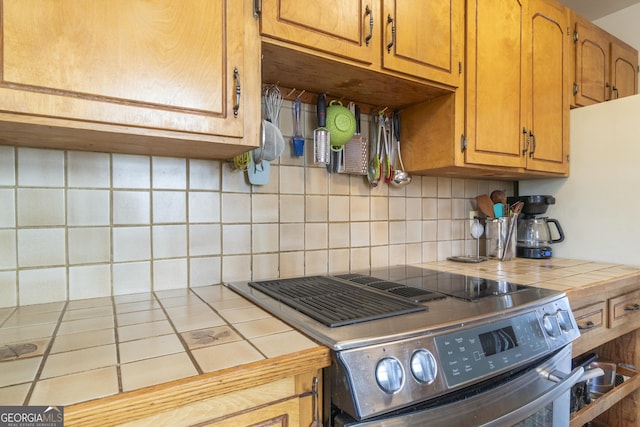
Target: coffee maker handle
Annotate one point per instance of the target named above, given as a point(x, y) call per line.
point(559, 228)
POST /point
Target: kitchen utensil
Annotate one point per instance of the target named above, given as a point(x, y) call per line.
point(273, 103)
point(373, 170)
point(476, 232)
point(535, 236)
point(386, 167)
point(356, 151)
point(515, 211)
point(498, 210)
point(258, 172)
point(321, 136)
point(498, 196)
point(272, 142)
point(400, 177)
point(485, 205)
point(298, 139)
point(341, 123)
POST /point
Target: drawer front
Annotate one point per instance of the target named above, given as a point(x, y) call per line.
point(624, 308)
point(591, 317)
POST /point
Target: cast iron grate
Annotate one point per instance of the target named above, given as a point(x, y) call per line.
point(333, 302)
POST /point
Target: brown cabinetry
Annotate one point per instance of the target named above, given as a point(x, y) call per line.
point(374, 51)
point(174, 77)
point(513, 116)
point(605, 67)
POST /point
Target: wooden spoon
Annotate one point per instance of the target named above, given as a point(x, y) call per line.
point(499, 196)
point(485, 205)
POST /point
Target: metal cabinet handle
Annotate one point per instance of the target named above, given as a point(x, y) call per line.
point(633, 307)
point(587, 326)
point(257, 8)
point(526, 141)
point(316, 407)
point(369, 12)
point(393, 33)
point(533, 144)
point(236, 77)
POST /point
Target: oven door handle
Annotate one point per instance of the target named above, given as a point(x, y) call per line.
point(563, 385)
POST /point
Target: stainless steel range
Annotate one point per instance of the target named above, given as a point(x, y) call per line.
point(413, 346)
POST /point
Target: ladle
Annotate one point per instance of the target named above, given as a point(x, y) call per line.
point(400, 176)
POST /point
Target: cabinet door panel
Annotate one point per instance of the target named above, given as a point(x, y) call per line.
point(496, 61)
point(550, 97)
point(592, 65)
point(426, 41)
point(339, 27)
point(164, 64)
point(624, 71)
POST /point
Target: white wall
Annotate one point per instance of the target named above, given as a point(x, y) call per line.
point(623, 24)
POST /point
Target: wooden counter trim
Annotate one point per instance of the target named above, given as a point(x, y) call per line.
point(137, 404)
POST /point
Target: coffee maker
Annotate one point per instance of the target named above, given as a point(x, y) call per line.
point(535, 235)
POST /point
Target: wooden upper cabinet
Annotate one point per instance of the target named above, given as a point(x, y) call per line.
point(169, 65)
point(496, 91)
point(547, 149)
point(605, 67)
point(345, 28)
point(420, 38)
point(592, 64)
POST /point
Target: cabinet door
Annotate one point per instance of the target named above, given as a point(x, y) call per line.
point(423, 38)
point(166, 64)
point(496, 82)
point(283, 414)
point(624, 70)
point(346, 28)
point(592, 64)
point(549, 101)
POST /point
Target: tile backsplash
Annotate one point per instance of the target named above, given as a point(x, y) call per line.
point(76, 225)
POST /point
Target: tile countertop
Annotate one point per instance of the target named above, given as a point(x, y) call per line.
point(69, 352)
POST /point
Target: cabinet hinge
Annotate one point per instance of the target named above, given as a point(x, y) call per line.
point(257, 8)
point(576, 36)
point(576, 88)
point(463, 143)
point(459, 67)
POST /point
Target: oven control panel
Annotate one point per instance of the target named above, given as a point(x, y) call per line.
point(379, 378)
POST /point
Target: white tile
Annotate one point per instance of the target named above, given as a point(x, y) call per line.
point(89, 245)
point(204, 174)
point(444, 230)
point(40, 206)
point(316, 236)
point(291, 208)
point(339, 260)
point(359, 234)
point(131, 244)
point(7, 165)
point(379, 208)
point(444, 187)
point(265, 266)
point(414, 231)
point(316, 181)
point(8, 289)
point(169, 207)
point(42, 285)
point(169, 241)
point(88, 170)
point(7, 249)
point(131, 207)
point(234, 180)
point(169, 173)
point(265, 238)
point(379, 233)
point(316, 262)
point(339, 235)
point(131, 171)
point(8, 203)
point(40, 168)
point(339, 184)
point(338, 208)
point(413, 208)
point(236, 239)
point(204, 271)
point(204, 206)
point(90, 281)
point(236, 208)
point(291, 264)
point(131, 278)
point(430, 208)
point(204, 239)
point(88, 207)
point(359, 208)
point(316, 208)
point(379, 257)
point(291, 180)
point(19, 371)
point(236, 268)
point(397, 209)
point(444, 209)
point(41, 247)
point(291, 237)
point(264, 208)
point(430, 186)
point(170, 274)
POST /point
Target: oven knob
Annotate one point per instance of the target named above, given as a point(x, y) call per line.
point(551, 325)
point(564, 320)
point(423, 366)
point(390, 375)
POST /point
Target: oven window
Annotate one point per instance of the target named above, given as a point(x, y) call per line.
point(542, 418)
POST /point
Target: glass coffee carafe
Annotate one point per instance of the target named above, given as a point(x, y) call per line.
point(535, 235)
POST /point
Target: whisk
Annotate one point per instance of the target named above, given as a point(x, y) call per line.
point(272, 103)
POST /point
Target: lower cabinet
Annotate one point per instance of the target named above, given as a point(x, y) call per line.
point(609, 323)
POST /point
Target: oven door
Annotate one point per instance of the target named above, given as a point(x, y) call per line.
point(538, 397)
